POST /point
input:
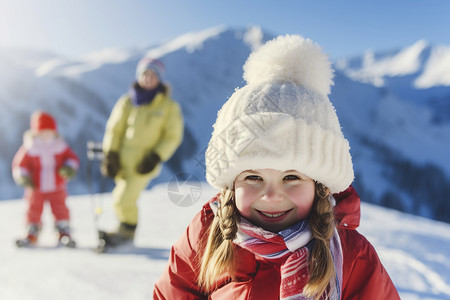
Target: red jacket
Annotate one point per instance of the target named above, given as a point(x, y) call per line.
point(364, 277)
point(41, 160)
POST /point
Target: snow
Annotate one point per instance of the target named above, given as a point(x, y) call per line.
point(190, 41)
point(436, 70)
point(109, 55)
point(401, 124)
point(50, 65)
point(414, 250)
point(407, 61)
point(253, 37)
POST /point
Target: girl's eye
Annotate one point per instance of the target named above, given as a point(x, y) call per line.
point(291, 178)
point(253, 178)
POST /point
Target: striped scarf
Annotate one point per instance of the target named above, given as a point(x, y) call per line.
point(290, 248)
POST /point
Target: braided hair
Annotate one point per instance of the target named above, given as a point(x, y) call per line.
point(218, 257)
point(322, 223)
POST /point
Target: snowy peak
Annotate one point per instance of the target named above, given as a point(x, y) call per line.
point(437, 69)
point(55, 66)
point(189, 41)
point(429, 66)
point(110, 55)
point(74, 68)
point(253, 37)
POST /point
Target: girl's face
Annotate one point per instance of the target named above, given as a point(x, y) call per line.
point(273, 199)
point(46, 134)
point(148, 80)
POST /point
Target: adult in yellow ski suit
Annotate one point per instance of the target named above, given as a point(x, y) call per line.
point(139, 136)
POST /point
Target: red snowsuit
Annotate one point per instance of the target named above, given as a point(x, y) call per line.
point(41, 160)
point(364, 277)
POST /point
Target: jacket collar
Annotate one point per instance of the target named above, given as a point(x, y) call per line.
point(348, 209)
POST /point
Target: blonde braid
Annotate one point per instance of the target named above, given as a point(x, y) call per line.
point(321, 261)
point(218, 257)
point(227, 214)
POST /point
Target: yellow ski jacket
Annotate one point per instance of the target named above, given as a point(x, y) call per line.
point(138, 130)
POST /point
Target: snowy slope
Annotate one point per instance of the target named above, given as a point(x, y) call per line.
point(394, 107)
point(414, 250)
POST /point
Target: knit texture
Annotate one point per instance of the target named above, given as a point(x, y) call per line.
point(282, 119)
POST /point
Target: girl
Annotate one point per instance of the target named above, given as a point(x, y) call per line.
point(43, 165)
point(283, 226)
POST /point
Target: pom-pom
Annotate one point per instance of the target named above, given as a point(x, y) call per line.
point(290, 58)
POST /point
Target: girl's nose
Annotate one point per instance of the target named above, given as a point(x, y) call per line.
point(272, 193)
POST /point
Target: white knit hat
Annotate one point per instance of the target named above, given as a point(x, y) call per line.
point(282, 119)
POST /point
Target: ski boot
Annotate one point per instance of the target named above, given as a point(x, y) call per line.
point(122, 236)
point(64, 237)
point(31, 238)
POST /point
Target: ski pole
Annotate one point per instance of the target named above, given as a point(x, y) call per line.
point(95, 153)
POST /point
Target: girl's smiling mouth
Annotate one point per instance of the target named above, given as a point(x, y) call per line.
point(273, 216)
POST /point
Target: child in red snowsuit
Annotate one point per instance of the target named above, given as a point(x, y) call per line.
point(43, 165)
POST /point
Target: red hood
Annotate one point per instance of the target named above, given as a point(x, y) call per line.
point(348, 208)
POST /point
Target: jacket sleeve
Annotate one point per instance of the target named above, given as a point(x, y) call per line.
point(21, 165)
point(116, 125)
point(71, 159)
point(364, 275)
point(172, 133)
point(178, 280)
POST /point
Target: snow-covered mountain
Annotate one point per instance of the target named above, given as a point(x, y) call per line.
point(394, 108)
point(414, 250)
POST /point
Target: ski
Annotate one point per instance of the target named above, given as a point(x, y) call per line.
point(65, 241)
point(25, 242)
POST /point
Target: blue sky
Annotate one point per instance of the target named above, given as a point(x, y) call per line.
point(76, 27)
